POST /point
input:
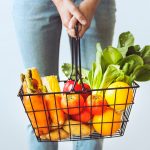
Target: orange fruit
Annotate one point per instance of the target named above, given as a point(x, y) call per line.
point(72, 104)
point(108, 123)
point(119, 99)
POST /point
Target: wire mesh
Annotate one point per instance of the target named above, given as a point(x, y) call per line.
point(73, 130)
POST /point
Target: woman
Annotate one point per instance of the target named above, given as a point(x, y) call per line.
point(38, 26)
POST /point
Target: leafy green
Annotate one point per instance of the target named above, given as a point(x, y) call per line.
point(129, 63)
point(98, 53)
point(128, 80)
point(111, 74)
point(99, 57)
point(95, 74)
point(141, 73)
point(145, 54)
point(67, 70)
point(133, 50)
point(123, 51)
point(111, 55)
point(98, 47)
point(91, 74)
point(125, 68)
point(103, 64)
point(97, 77)
point(98, 71)
point(126, 40)
point(125, 63)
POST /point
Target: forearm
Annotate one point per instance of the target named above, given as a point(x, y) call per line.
point(93, 3)
point(57, 2)
point(96, 2)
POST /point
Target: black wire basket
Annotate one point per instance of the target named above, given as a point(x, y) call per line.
point(72, 130)
point(110, 122)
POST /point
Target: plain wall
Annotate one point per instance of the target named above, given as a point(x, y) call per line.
point(131, 16)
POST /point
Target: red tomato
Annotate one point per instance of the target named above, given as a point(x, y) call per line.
point(72, 103)
point(96, 104)
point(85, 116)
point(69, 85)
point(87, 87)
point(78, 87)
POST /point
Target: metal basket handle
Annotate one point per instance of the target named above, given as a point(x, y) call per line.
point(76, 59)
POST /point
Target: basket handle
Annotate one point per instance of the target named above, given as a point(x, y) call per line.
point(76, 59)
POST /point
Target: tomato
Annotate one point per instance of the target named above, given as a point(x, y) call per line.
point(87, 88)
point(85, 116)
point(72, 103)
point(68, 86)
point(96, 104)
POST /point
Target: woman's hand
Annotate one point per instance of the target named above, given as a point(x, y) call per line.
point(67, 10)
point(88, 8)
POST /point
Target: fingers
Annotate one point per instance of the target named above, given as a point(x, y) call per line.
point(76, 12)
point(73, 22)
point(79, 27)
point(71, 15)
point(83, 30)
point(71, 32)
point(81, 33)
point(66, 20)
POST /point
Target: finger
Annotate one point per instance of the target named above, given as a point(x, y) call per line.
point(71, 32)
point(81, 33)
point(83, 30)
point(73, 22)
point(66, 20)
point(79, 27)
point(76, 12)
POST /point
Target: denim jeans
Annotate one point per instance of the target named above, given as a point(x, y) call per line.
point(38, 27)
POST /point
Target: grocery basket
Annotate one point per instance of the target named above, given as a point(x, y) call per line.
point(97, 127)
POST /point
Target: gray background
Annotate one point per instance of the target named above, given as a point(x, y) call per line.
point(132, 15)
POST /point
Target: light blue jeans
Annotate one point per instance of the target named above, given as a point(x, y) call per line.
point(38, 27)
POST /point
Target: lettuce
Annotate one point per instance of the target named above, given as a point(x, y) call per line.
point(111, 55)
point(145, 54)
point(95, 74)
point(126, 39)
point(67, 70)
point(111, 74)
point(126, 62)
point(141, 73)
point(129, 63)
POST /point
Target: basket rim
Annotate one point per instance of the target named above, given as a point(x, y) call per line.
point(20, 93)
